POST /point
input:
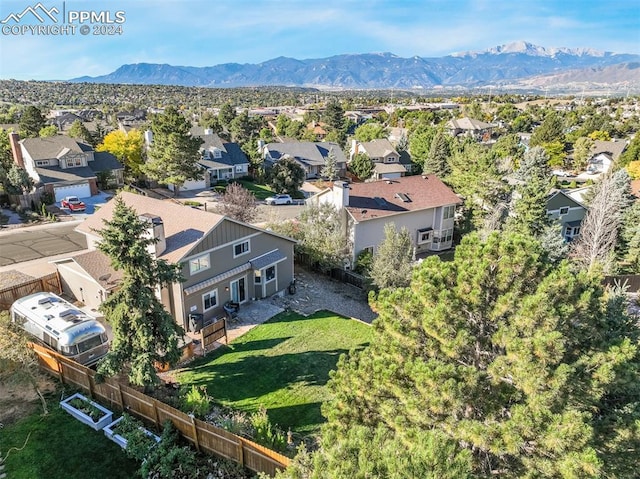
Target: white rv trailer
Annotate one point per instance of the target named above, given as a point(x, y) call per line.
point(61, 326)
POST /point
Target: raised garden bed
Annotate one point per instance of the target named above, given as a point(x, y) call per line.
point(114, 430)
point(87, 411)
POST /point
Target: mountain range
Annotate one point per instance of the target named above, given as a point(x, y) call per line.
point(517, 65)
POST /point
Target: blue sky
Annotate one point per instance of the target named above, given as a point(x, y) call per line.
point(210, 32)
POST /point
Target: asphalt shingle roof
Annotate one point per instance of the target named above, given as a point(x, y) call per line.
point(48, 148)
point(307, 152)
point(378, 148)
point(468, 124)
point(184, 227)
point(55, 174)
point(424, 192)
point(614, 148)
point(104, 161)
point(98, 266)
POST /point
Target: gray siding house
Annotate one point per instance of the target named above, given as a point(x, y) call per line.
point(221, 259)
point(568, 212)
point(310, 155)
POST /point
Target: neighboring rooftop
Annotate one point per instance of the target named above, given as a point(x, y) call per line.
point(379, 148)
point(468, 124)
point(384, 198)
point(308, 152)
point(613, 148)
point(52, 147)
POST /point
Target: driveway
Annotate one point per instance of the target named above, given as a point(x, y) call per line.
point(39, 242)
point(92, 203)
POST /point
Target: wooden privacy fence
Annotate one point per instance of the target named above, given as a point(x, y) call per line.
point(49, 283)
point(212, 332)
point(205, 437)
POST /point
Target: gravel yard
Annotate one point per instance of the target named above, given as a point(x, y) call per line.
point(315, 292)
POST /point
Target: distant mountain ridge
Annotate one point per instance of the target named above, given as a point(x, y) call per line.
point(500, 65)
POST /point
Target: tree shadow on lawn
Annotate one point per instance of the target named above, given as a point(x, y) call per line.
point(301, 418)
point(291, 316)
point(256, 376)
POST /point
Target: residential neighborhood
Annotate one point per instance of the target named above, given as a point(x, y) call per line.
point(298, 240)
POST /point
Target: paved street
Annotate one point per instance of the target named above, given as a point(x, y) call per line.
point(31, 243)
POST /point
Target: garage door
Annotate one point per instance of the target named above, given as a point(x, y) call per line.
point(81, 191)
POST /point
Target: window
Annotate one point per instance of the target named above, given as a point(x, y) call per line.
point(575, 231)
point(447, 235)
point(564, 210)
point(71, 162)
point(424, 235)
point(257, 278)
point(42, 162)
point(240, 248)
point(270, 273)
point(210, 299)
point(448, 211)
point(239, 168)
point(199, 264)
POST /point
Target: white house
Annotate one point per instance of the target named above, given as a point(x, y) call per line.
point(423, 205)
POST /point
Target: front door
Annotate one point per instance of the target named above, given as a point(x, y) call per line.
point(238, 291)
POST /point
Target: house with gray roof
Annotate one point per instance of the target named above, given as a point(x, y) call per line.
point(603, 155)
point(386, 159)
point(466, 126)
point(221, 259)
point(567, 211)
point(65, 166)
point(424, 205)
point(310, 155)
point(222, 160)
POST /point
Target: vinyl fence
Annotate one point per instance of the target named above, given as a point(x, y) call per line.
point(205, 437)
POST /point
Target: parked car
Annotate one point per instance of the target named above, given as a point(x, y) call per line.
point(73, 203)
point(279, 200)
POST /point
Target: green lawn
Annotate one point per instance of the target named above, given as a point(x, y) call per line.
point(282, 365)
point(261, 192)
point(60, 447)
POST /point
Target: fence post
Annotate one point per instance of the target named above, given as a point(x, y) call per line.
point(155, 412)
point(121, 398)
point(60, 370)
point(240, 452)
point(195, 431)
point(88, 376)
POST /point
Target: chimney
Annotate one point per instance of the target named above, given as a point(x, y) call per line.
point(261, 145)
point(354, 148)
point(340, 194)
point(208, 131)
point(14, 140)
point(155, 230)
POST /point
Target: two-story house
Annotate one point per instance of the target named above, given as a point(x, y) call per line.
point(568, 211)
point(310, 155)
point(423, 205)
point(385, 157)
point(64, 166)
point(466, 126)
point(223, 160)
point(221, 259)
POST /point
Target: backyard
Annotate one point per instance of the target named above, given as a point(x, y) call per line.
point(57, 446)
point(282, 365)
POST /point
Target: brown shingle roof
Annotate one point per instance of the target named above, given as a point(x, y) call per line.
point(615, 148)
point(378, 148)
point(184, 227)
point(424, 192)
point(98, 266)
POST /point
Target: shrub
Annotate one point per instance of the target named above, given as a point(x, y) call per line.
point(47, 198)
point(231, 420)
point(168, 459)
point(266, 433)
point(363, 262)
point(197, 401)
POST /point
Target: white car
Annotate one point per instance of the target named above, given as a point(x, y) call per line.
point(279, 200)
